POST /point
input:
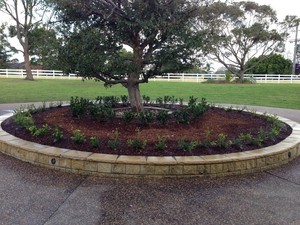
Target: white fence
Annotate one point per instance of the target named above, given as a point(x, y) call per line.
point(21, 73)
point(183, 77)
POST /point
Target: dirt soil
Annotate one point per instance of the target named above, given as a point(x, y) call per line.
point(216, 121)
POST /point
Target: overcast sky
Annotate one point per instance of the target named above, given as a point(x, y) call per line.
point(282, 7)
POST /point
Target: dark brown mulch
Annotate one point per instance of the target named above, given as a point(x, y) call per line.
point(216, 121)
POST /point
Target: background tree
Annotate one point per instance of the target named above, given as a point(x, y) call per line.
point(25, 15)
point(44, 47)
point(239, 31)
point(5, 47)
point(269, 64)
point(158, 33)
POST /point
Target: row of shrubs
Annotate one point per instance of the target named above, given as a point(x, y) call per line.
point(102, 109)
point(24, 120)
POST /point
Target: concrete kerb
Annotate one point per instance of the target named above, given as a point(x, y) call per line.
point(89, 163)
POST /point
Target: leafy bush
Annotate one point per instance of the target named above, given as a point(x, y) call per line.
point(182, 115)
point(78, 137)
point(78, 106)
point(146, 99)
point(159, 100)
point(161, 143)
point(23, 118)
point(57, 134)
point(94, 142)
point(39, 132)
point(223, 141)
point(146, 117)
point(101, 112)
point(162, 116)
point(114, 143)
point(110, 101)
point(128, 116)
point(186, 145)
point(124, 99)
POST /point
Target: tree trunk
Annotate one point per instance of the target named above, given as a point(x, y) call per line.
point(134, 94)
point(29, 75)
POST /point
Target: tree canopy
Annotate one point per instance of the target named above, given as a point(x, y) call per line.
point(269, 64)
point(159, 34)
point(238, 31)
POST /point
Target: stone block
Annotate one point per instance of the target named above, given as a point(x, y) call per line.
point(204, 169)
point(251, 164)
point(118, 168)
point(216, 168)
point(161, 170)
point(133, 169)
point(104, 167)
point(77, 164)
point(147, 169)
point(65, 163)
point(176, 170)
point(261, 162)
point(240, 165)
point(91, 166)
point(190, 169)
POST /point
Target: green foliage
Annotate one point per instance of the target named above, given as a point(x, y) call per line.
point(187, 145)
point(101, 112)
point(183, 116)
point(128, 116)
point(78, 137)
point(161, 143)
point(39, 132)
point(137, 143)
point(227, 77)
point(78, 106)
point(146, 99)
point(23, 118)
point(162, 116)
point(236, 30)
point(57, 134)
point(124, 99)
point(223, 141)
point(159, 101)
point(114, 143)
point(146, 117)
point(269, 64)
point(94, 142)
point(44, 47)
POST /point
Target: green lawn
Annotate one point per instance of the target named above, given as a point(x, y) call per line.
point(274, 95)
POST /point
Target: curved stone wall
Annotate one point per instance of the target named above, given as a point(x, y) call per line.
point(88, 163)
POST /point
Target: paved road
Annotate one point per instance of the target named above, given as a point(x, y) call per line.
point(33, 195)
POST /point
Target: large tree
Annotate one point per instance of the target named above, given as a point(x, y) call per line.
point(239, 31)
point(5, 47)
point(25, 14)
point(158, 33)
point(44, 47)
point(269, 64)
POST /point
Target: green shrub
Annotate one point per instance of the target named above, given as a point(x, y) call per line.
point(146, 99)
point(223, 141)
point(146, 117)
point(128, 116)
point(114, 143)
point(186, 145)
point(94, 142)
point(101, 112)
point(124, 99)
point(57, 134)
point(159, 100)
point(183, 116)
point(78, 137)
point(137, 143)
point(161, 143)
point(78, 106)
point(39, 132)
point(23, 118)
point(162, 116)
point(228, 77)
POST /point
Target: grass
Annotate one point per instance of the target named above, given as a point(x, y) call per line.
point(273, 95)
